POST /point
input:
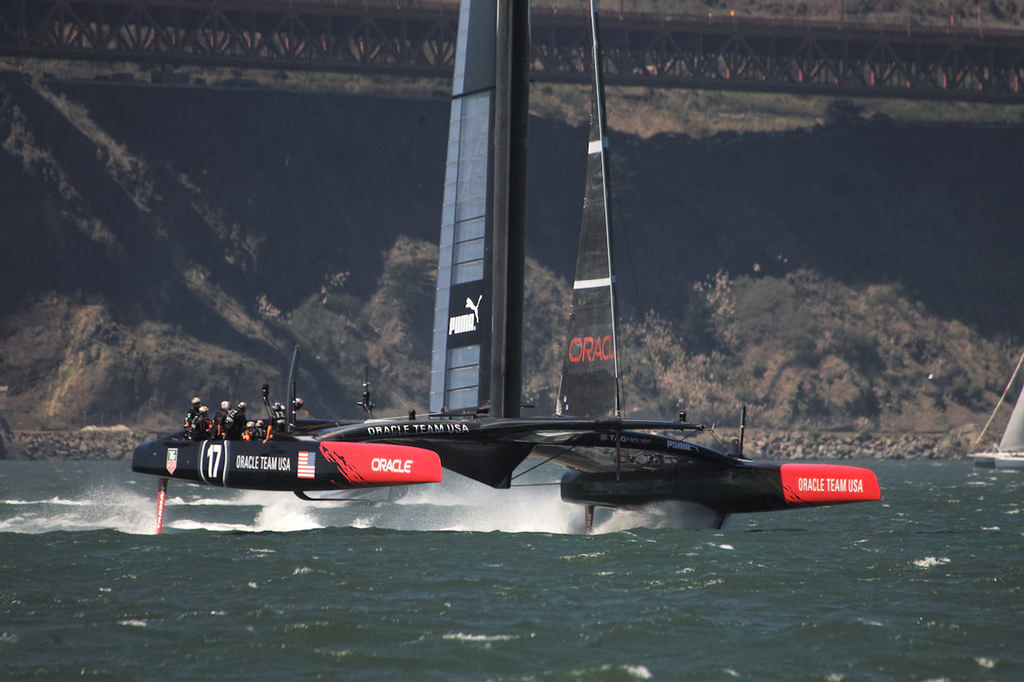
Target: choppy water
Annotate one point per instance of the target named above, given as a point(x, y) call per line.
point(459, 582)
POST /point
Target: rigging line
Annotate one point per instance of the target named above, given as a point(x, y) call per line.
point(621, 222)
point(561, 452)
point(712, 431)
point(1001, 399)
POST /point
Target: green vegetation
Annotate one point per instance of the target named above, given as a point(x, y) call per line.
point(803, 350)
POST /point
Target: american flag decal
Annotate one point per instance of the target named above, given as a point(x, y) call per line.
point(307, 465)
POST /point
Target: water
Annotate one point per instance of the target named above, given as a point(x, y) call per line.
point(459, 582)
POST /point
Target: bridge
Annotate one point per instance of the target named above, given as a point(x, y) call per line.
point(417, 38)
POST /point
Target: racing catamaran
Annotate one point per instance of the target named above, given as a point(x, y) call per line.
point(474, 427)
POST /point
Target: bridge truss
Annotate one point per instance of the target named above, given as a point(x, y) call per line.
point(417, 38)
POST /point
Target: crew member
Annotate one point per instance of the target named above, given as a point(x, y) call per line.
point(234, 422)
point(202, 426)
point(249, 432)
point(220, 419)
point(278, 422)
point(190, 416)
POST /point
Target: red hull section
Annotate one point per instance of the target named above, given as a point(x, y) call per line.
point(820, 484)
point(381, 464)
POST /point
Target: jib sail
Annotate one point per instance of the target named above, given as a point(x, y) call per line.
point(590, 370)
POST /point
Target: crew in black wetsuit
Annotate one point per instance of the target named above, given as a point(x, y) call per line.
point(202, 426)
point(234, 423)
point(279, 422)
point(190, 416)
point(220, 418)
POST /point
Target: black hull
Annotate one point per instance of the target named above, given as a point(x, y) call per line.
point(293, 465)
point(744, 488)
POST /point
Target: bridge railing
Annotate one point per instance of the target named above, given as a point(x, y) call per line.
point(417, 37)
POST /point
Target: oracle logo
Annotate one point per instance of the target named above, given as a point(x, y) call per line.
point(395, 466)
point(590, 348)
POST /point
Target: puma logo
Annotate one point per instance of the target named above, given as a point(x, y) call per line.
point(467, 322)
point(475, 307)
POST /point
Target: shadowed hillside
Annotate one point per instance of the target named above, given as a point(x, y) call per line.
point(164, 242)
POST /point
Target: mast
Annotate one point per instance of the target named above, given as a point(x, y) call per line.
point(476, 363)
point(509, 260)
point(590, 366)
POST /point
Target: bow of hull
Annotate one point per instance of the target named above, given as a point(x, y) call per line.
point(286, 465)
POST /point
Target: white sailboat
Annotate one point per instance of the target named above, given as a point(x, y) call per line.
point(1009, 452)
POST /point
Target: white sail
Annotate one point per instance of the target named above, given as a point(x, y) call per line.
point(1013, 436)
point(1009, 454)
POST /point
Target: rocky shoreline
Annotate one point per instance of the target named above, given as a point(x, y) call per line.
point(948, 446)
point(89, 443)
point(117, 443)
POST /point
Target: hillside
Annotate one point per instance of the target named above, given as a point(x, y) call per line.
point(846, 269)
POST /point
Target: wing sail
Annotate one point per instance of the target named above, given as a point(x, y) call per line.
point(462, 305)
point(590, 370)
point(475, 363)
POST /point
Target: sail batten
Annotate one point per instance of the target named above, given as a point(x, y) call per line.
point(592, 283)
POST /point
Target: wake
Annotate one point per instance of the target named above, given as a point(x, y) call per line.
point(455, 504)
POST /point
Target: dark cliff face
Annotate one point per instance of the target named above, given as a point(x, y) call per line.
point(928, 207)
point(268, 191)
point(163, 242)
point(192, 222)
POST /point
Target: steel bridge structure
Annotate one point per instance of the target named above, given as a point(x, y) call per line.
point(417, 38)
